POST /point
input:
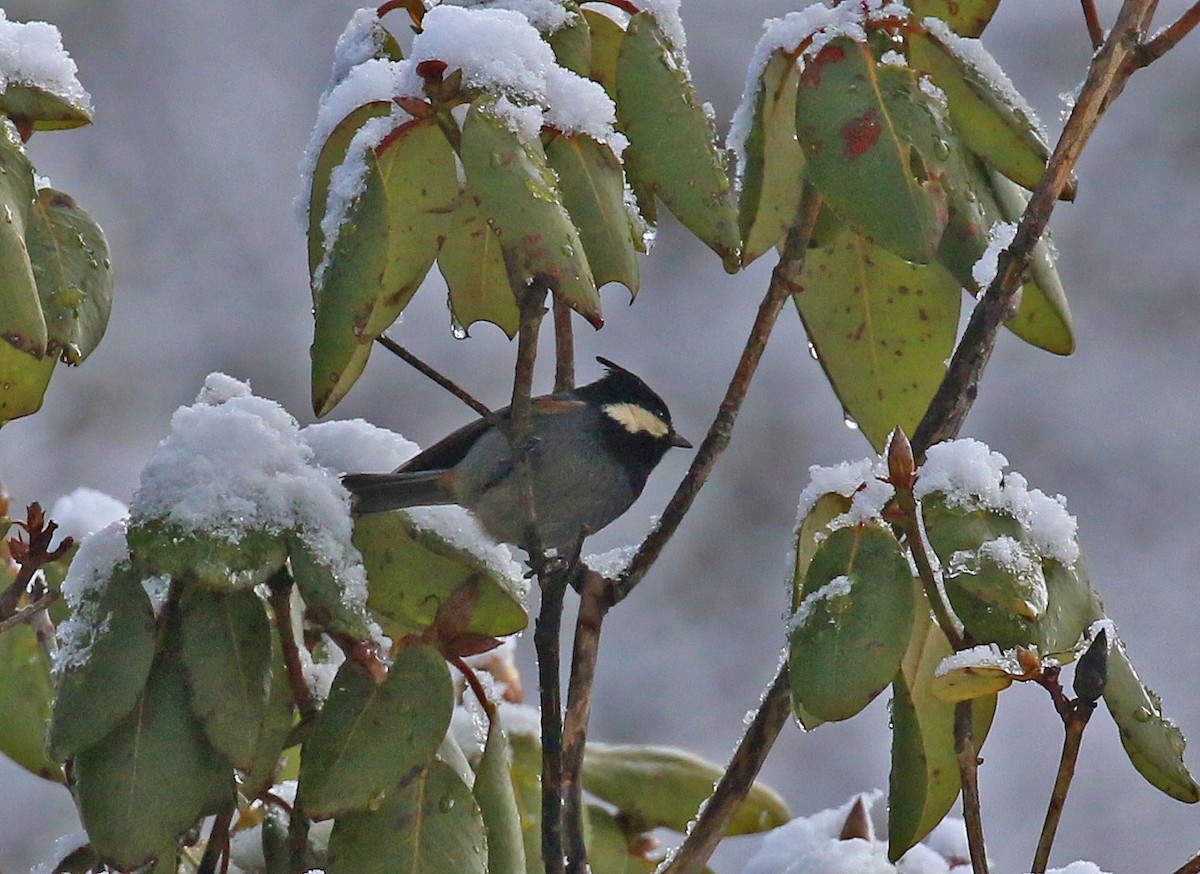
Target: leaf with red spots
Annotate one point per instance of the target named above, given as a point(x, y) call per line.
point(882, 328)
point(965, 17)
point(873, 145)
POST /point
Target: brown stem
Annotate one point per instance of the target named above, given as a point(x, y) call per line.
point(29, 612)
point(1094, 28)
point(783, 285)
point(216, 851)
point(281, 605)
point(592, 609)
point(564, 347)
point(476, 687)
point(1110, 69)
point(297, 839)
point(968, 767)
point(1191, 866)
point(445, 382)
point(1170, 36)
point(747, 761)
point(546, 642)
point(1073, 725)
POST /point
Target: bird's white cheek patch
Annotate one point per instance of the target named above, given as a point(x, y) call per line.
point(635, 419)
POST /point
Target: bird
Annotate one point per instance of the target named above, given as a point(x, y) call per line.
point(590, 449)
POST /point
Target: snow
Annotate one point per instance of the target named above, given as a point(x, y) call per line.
point(613, 563)
point(985, 656)
point(1077, 868)
point(1000, 237)
point(234, 464)
point(845, 479)
point(89, 572)
point(32, 53)
point(85, 511)
point(838, 587)
point(349, 445)
point(815, 25)
point(546, 15)
point(972, 53)
point(666, 14)
point(361, 41)
point(459, 528)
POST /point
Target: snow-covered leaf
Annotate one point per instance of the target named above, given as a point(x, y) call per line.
point(965, 17)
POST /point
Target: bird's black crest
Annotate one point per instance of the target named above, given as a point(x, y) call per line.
point(618, 385)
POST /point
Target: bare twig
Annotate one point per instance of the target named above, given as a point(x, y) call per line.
point(747, 761)
point(546, 641)
point(1094, 28)
point(477, 689)
point(1110, 69)
point(30, 611)
point(1073, 726)
point(281, 605)
point(445, 382)
point(31, 555)
point(968, 767)
point(592, 609)
point(783, 285)
point(564, 347)
point(297, 839)
point(1191, 866)
point(216, 850)
point(1170, 36)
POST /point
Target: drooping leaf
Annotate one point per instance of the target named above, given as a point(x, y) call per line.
point(572, 43)
point(990, 124)
point(25, 697)
point(429, 826)
point(105, 653)
point(25, 380)
point(593, 191)
point(278, 718)
point(69, 257)
point(152, 777)
point(1153, 742)
point(332, 601)
point(868, 169)
point(519, 195)
point(413, 571)
point(852, 627)
point(965, 17)
point(473, 266)
point(882, 328)
point(419, 175)
point(606, 37)
point(773, 178)
point(22, 324)
point(672, 152)
point(654, 786)
point(347, 291)
point(211, 561)
point(493, 791)
point(226, 650)
point(924, 781)
point(345, 767)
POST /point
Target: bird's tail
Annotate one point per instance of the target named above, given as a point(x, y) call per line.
point(378, 492)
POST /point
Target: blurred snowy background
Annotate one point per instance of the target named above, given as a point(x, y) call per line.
point(202, 112)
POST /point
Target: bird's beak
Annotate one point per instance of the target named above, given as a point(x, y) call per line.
point(681, 442)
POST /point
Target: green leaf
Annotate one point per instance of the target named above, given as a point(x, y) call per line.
point(852, 628)
point(473, 266)
point(25, 697)
point(278, 718)
point(493, 791)
point(226, 649)
point(368, 738)
point(333, 153)
point(105, 652)
point(521, 200)
point(671, 139)
point(606, 37)
point(809, 535)
point(988, 123)
point(924, 781)
point(882, 328)
point(868, 168)
point(331, 601)
point(21, 321)
point(25, 380)
point(413, 570)
point(208, 560)
point(526, 770)
point(593, 191)
point(347, 292)
point(1153, 743)
point(430, 826)
point(1044, 318)
point(653, 787)
point(989, 670)
point(419, 175)
point(965, 17)
point(610, 844)
point(773, 178)
point(47, 110)
point(153, 777)
point(68, 254)
point(572, 43)
point(1073, 606)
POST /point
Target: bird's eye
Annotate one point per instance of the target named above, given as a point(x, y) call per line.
point(636, 419)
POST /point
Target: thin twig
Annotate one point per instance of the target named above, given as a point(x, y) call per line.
point(216, 851)
point(445, 382)
point(1094, 28)
point(297, 839)
point(281, 605)
point(783, 285)
point(564, 347)
point(29, 612)
point(1110, 69)
point(1170, 36)
point(696, 849)
point(1191, 866)
point(592, 609)
point(472, 680)
point(546, 642)
point(1073, 726)
point(968, 767)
